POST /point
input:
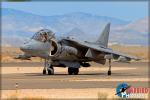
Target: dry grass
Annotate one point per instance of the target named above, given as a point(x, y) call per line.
point(65, 94)
point(102, 96)
point(15, 96)
point(139, 51)
point(43, 94)
point(9, 53)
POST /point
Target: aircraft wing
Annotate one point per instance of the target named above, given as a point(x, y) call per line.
point(92, 48)
point(23, 57)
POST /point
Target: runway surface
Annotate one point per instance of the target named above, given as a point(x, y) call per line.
point(135, 74)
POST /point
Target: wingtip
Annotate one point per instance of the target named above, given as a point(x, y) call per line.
point(138, 58)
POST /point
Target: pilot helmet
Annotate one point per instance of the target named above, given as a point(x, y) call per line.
point(47, 32)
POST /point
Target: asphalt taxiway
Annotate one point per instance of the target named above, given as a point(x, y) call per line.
point(135, 74)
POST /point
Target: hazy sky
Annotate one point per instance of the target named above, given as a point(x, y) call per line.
point(123, 10)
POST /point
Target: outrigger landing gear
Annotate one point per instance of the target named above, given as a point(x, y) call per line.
point(109, 70)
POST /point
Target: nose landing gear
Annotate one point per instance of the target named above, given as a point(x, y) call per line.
point(48, 68)
point(44, 71)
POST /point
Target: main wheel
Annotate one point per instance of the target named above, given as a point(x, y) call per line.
point(76, 71)
point(50, 70)
point(72, 71)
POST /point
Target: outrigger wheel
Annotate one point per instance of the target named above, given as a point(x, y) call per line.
point(109, 70)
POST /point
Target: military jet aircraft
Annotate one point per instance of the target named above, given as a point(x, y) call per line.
point(70, 52)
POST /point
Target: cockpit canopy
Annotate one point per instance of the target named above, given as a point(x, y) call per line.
point(43, 35)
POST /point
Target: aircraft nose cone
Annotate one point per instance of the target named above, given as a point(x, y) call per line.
point(25, 47)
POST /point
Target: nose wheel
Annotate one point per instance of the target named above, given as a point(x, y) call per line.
point(44, 71)
point(109, 70)
point(49, 71)
point(48, 68)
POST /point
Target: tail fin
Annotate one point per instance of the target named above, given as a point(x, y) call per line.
point(103, 39)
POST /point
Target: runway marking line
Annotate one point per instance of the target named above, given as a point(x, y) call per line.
point(83, 80)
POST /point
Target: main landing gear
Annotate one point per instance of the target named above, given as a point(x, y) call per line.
point(73, 71)
point(48, 68)
point(109, 70)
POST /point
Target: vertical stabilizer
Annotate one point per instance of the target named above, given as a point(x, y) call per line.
point(103, 39)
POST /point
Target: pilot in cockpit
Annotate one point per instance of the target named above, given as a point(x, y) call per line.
point(43, 35)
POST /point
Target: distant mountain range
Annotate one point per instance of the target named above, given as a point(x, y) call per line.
point(17, 26)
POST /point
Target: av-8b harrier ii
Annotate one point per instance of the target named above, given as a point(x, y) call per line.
point(69, 52)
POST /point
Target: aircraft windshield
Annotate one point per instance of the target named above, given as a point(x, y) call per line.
point(43, 35)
